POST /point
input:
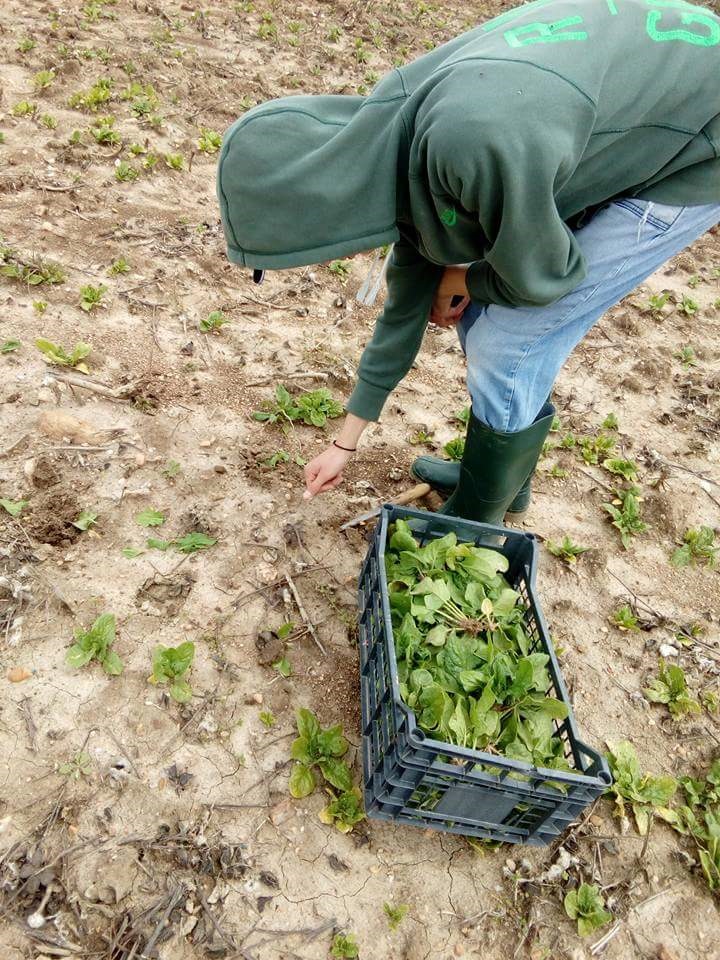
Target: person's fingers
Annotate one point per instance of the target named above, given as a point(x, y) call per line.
point(331, 484)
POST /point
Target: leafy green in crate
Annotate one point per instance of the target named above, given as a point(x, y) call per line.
point(467, 665)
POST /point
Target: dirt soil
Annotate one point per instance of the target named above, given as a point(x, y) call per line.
point(140, 827)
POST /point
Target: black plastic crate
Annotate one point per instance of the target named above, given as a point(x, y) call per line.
point(409, 777)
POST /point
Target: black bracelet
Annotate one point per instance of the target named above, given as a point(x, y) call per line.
point(346, 449)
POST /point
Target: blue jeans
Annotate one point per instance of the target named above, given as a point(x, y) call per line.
point(515, 354)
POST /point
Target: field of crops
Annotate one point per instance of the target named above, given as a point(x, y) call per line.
point(180, 719)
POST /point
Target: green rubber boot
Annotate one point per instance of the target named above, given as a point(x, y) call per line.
point(444, 475)
point(496, 469)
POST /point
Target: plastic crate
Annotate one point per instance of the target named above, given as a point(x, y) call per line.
point(412, 779)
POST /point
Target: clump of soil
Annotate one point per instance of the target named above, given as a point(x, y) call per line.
point(52, 515)
point(169, 593)
point(44, 473)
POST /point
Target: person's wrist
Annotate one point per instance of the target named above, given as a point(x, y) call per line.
point(345, 446)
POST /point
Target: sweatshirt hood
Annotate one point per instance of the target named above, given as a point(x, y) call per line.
point(309, 178)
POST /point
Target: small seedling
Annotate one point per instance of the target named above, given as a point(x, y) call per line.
point(171, 469)
point(213, 322)
point(422, 438)
point(119, 266)
point(13, 507)
point(314, 407)
point(33, 272)
point(79, 766)
point(131, 552)
point(175, 161)
point(192, 542)
point(622, 468)
point(26, 45)
point(625, 512)
point(594, 449)
point(698, 818)
point(267, 717)
point(150, 518)
point(568, 441)
point(95, 644)
point(455, 448)
point(698, 547)
point(40, 306)
point(126, 172)
point(610, 422)
point(153, 543)
point(670, 687)
point(86, 520)
point(647, 794)
point(58, 356)
point(344, 947)
point(103, 131)
point(341, 269)
point(93, 98)
point(686, 356)
point(210, 141)
point(49, 121)
point(586, 905)
point(462, 417)
point(283, 667)
point(170, 664)
point(24, 109)
point(43, 79)
point(9, 346)
point(625, 619)
point(557, 472)
point(567, 550)
point(280, 456)
point(92, 297)
point(395, 914)
point(688, 306)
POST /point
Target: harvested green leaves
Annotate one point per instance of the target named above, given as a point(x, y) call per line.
point(466, 664)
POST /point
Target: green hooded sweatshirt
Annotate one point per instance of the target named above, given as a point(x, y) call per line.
point(481, 152)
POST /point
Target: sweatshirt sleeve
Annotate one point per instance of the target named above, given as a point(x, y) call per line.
point(411, 284)
point(505, 163)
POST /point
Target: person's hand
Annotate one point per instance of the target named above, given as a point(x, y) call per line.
point(325, 471)
point(452, 284)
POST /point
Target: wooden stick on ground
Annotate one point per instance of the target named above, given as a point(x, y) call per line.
point(303, 613)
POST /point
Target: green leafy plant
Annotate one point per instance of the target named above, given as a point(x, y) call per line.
point(33, 271)
point(462, 417)
point(557, 472)
point(40, 306)
point(421, 438)
point(94, 97)
point(26, 45)
point(686, 356)
point(699, 818)
point(587, 907)
point(314, 407)
point(175, 161)
point(698, 547)
point(395, 914)
point(280, 456)
point(646, 794)
point(344, 811)
point(49, 121)
point(688, 306)
point(43, 79)
point(267, 718)
point(670, 687)
point(624, 618)
point(119, 266)
point(283, 667)
point(593, 449)
point(58, 356)
point(623, 468)
point(170, 665)
point(567, 550)
point(104, 132)
point(213, 322)
point(341, 269)
point(79, 766)
point(610, 422)
point(210, 141)
point(125, 172)
point(193, 542)
point(10, 346)
point(625, 512)
point(86, 520)
point(24, 108)
point(465, 665)
point(13, 507)
point(344, 947)
point(150, 518)
point(317, 747)
point(455, 448)
point(95, 644)
point(171, 469)
point(91, 297)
